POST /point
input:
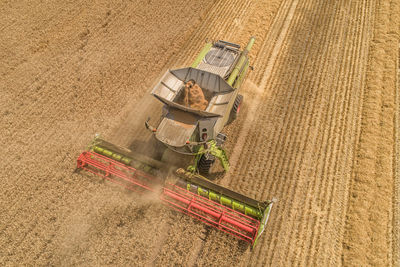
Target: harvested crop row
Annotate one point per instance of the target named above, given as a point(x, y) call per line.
point(370, 221)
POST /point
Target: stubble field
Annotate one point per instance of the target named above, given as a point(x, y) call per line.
point(318, 130)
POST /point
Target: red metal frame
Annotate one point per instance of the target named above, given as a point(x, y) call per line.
point(201, 208)
point(112, 170)
point(210, 212)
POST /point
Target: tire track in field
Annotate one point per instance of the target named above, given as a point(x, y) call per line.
point(269, 44)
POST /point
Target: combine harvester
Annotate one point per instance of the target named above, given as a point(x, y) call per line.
point(198, 102)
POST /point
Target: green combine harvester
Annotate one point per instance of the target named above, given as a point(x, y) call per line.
point(218, 72)
point(199, 101)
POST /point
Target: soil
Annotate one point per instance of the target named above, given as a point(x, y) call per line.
point(318, 130)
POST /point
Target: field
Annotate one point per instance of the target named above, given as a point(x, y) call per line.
point(318, 130)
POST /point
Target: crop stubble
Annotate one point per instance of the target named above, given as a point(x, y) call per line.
point(305, 122)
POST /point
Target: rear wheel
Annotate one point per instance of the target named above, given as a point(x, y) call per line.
point(205, 163)
point(236, 108)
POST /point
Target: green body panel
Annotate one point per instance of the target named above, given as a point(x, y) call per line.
point(202, 181)
point(110, 154)
point(250, 44)
point(263, 222)
point(202, 54)
point(219, 153)
point(214, 150)
point(125, 156)
point(241, 62)
point(239, 80)
point(225, 200)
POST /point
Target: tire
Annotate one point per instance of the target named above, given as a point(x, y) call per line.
point(205, 163)
point(236, 108)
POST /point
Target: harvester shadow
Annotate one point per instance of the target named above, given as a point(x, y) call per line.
point(215, 176)
point(149, 148)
